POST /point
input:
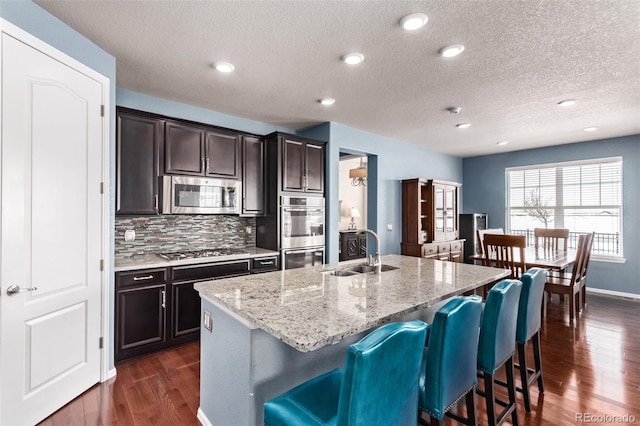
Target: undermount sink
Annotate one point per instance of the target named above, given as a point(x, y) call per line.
point(358, 269)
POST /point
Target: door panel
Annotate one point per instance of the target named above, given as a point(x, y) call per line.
point(51, 228)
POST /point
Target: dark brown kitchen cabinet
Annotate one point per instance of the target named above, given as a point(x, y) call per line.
point(141, 312)
point(201, 151)
point(139, 138)
point(302, 165)
point(253, 176)
point(352, 245)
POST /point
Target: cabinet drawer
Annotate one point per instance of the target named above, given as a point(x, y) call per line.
point(444, 247)
point(456, 246)
point(264, 264)
point(429, 250)
point(142, 277)
point(210, 271)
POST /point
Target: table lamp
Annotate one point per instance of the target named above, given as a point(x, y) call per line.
point(354, 213)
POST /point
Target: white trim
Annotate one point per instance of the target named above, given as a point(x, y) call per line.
point(614, 293)
point(202, 418)
point(110, 375)
point(24, 37)
point(566, 163)
point(608, 259)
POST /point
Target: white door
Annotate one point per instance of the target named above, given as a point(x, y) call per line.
point(51, 219)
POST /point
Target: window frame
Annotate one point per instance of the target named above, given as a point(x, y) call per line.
point(617, 258)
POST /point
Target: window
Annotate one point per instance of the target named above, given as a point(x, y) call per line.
point(584, 196)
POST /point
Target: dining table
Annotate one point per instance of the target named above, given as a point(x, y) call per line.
point(555, 260)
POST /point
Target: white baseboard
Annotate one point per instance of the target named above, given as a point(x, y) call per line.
point(613, 293)
point(202, 418)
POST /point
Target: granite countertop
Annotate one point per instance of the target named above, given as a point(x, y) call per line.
point(308, 309)
point(132, 263)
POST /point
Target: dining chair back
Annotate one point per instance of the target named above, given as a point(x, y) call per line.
point(496, 347)
point(449, 368)
point(378, 385)
point(551, 239)
point(528, 329)
point(572, 284)
point(505, 251)
point(482, 232)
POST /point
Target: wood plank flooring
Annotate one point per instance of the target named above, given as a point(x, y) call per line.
point(592, 368)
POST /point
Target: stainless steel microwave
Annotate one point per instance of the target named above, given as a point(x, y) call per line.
point(200, 195)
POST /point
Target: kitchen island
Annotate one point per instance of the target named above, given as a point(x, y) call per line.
point(272, 331)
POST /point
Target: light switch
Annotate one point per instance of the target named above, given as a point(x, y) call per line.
point(129, 235)
point(207, 320)
point(389, 227)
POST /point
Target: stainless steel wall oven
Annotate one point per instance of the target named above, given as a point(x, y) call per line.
point(302, 233)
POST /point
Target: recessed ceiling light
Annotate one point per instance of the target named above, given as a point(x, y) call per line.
point(463, 125)
point(451, 51)
point(414, 21)
point(353, 58)
point(224, 66)
point(503, 142)
point(327, 101)
point(567, 102)
point(590, 129)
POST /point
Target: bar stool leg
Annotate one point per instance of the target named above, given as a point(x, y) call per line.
point(511, 388)
point(489, 397)
point(524, 375)
point(537, 359)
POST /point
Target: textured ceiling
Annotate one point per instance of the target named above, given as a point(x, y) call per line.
point(521, 58)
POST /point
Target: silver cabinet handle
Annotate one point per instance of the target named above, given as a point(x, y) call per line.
point(207, 168)
point(202, 166)
point(148, 277)
point(164, 298)
point(156, 201)
point(270, 262)
point(15, 289)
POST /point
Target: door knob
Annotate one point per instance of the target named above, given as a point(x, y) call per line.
point(15, 289)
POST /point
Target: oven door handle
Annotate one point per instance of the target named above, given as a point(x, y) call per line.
point(289, 209)
point(302, 251)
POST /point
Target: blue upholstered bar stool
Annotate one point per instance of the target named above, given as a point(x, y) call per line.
point(450, 359)
point(496, 348)
point(378, 386)
point(528, 329)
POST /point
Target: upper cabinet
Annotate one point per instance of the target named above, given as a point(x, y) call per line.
point(429, 213)
point(253, 176)
point(302, 164)
point(138, 142)
point(201, 151)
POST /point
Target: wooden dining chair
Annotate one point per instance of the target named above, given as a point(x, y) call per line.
point(505, 251)
point(482, 232)
point(572, 284)
point(551, 239)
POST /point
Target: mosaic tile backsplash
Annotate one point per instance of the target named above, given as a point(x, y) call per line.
point(155, 234)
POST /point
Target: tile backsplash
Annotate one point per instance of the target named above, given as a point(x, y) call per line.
point(165, 233)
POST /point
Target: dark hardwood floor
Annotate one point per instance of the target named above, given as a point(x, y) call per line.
point(592, 368)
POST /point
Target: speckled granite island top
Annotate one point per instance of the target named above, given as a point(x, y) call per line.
point(309, 309)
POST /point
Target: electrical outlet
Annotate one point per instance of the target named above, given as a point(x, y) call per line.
point(129, 235)
point(248, 230)
point(207, 320)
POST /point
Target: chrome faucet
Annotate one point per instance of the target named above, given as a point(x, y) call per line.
point(374, 262)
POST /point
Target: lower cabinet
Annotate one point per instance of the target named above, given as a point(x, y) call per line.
point(451, 251)
point(159, 308)
point(352, 245)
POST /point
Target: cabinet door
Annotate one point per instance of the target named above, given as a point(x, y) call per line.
point(314, 173)
point(138, 140)
point(140, 320)
point(450, 212)
point(253, 172)
point(293, 165)
point(185, 315)
point(184, 149)
point(363, 246)
point(223, 155)
point(439, 233)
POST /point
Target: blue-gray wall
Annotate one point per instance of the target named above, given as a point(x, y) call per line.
point(41, 24)
point(484, 189)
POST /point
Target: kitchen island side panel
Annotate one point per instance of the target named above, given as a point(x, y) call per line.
point(241, 367)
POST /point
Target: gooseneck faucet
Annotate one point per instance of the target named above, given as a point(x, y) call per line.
point(376, 262)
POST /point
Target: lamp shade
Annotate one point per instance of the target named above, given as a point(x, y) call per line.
point(355, 212)
point(358, 173)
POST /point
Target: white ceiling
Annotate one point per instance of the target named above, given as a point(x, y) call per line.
point(521, 58)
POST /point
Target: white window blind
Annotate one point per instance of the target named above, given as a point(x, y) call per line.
point(584, 196)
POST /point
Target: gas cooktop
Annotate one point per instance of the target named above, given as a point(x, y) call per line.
point(176, 255)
